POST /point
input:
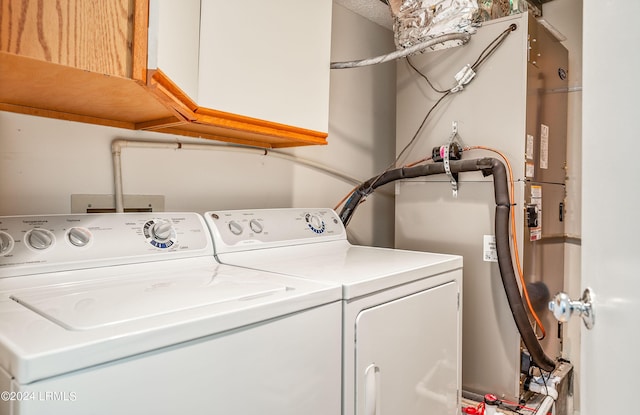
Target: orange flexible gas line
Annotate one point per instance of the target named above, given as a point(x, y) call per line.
point(514, 237)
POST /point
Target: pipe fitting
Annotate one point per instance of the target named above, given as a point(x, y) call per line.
point(542, 386)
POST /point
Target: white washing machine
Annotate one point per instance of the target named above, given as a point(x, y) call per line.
point(131, 314)
point(401, 309)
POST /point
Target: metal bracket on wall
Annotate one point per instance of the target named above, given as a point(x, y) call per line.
point(453, 177)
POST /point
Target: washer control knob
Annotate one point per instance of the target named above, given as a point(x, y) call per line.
point(79, 236)
point(160, 233)
point(235, 227)
point(6, 243)
point(40, 238)
point(162, 230)
point(315, 223)
point(256, 226)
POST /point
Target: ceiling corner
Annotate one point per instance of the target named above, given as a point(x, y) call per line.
point(376, 11)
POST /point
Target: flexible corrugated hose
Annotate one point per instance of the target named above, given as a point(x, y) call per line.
point(488, 166)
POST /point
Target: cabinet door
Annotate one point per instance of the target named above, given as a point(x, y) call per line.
point(96, 36)
point(267, 60)
point(407, 355)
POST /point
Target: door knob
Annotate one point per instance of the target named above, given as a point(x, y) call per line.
point(563, 308)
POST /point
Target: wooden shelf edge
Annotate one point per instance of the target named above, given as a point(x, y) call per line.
point(242, 129)
point(66, 116)
point(167, 92)
point(159, 124)
point(253, 125)
point(177, 130)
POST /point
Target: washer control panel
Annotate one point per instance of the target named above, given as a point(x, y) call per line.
point(238, 230)
point(47, 243)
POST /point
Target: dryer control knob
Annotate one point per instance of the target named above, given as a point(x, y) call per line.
point(40, 238)
point(256, 226)
point(79, 236)
point(162, 230)
point(6, 243)
point(235, 227)
point(315, 223)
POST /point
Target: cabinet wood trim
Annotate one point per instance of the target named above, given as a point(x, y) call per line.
point(140, 42)
point(212, 123)
point(169, 93)
point(216, 118)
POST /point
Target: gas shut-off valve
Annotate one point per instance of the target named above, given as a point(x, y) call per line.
point(439, 153)
point(563, 308)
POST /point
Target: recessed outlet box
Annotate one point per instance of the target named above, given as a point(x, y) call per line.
point(107, 204)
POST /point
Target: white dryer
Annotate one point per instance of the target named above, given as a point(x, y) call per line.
point(401, 309)
point(131, 314)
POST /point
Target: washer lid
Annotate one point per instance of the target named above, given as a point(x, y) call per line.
point(108, 303)
point(57, 323)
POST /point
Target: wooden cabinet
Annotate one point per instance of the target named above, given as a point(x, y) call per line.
point(87, 60)
point(77, 60)
point(89, 35)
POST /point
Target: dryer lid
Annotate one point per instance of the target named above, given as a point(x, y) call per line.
point(361, 270)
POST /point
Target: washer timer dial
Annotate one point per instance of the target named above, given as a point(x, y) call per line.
point(235, 228)
point(40, 239)
point(256, 226)
point(160, 233)
point(79, 237)
point(314, 223)
point(6, 243)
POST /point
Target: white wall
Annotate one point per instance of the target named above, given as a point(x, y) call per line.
point(44, 161)
point(361, 127)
